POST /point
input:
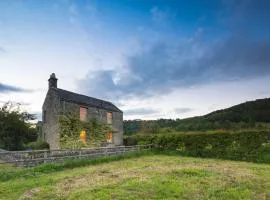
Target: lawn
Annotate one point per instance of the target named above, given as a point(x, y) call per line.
point(150, 176)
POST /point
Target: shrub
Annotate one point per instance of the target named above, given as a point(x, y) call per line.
point(247, 146)
point(15, 127)
point(38, 145)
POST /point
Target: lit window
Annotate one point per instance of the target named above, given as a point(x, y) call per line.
point(83, 113)
point(109, 117)
point(109, 137)
point(83, 136)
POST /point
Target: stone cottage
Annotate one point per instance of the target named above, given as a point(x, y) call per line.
point(59, 102)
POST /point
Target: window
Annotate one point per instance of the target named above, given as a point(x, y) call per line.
point(109, 137)
point(83, 136)
point(109, 117)
point(83, 113)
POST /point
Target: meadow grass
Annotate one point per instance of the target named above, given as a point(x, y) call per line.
point(138, 176)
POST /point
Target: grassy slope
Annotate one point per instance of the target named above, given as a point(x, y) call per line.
point(257, 111)
point(146, 177)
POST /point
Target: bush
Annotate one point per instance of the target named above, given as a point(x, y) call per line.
point(38, 145)
point(247, 146)
point(15, 127)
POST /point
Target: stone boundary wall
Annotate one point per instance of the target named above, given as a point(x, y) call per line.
point(33, 158)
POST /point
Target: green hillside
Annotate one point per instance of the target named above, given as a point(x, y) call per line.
point(251, 114)
point(258, 111)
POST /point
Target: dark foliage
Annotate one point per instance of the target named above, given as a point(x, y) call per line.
point(246, 146)
point(38, 145)
point(242, 116)
point(15, 129)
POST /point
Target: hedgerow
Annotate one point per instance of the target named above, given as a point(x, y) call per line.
point(245, 146)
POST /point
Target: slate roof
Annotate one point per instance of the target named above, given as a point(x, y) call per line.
point(85, 100)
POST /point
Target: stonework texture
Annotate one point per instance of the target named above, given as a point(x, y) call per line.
point(55, 105)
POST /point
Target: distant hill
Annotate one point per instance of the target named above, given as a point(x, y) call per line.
point(257, 111)
point(244, 115)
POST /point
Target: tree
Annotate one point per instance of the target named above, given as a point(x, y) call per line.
point(16, 128)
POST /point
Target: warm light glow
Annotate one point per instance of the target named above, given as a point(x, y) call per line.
point(83, 136)
point(109, 137)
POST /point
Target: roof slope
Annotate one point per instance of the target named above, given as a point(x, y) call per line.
point(85, 100)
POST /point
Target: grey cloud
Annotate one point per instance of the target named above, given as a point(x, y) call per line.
point(38, 115)
point(16, 103)
point(8, 88)
point(182, 110)
point(249, 10)
point(183, 62)
point(140, 111)
point(164, 67)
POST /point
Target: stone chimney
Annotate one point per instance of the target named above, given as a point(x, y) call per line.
point(52, 81)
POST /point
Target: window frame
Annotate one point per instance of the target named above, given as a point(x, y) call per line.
point(86, 113)
point(109, 137)
point(109, 113)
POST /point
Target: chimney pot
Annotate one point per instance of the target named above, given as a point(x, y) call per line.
point(52, 81)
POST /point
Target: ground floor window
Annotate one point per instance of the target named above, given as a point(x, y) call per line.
point(83, 136)
point(109, 137)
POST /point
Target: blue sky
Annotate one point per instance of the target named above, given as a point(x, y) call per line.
point(154, 59)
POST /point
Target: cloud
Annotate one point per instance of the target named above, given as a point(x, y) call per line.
point(166, 66)
point(178, 62)
point(182, 110)
point(140, 111)
point(14, 102)
point(38, 115)
point(8, 88)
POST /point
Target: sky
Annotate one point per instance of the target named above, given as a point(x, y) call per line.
point(152, 58)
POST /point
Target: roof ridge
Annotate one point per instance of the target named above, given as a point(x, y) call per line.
point(87, 100)
point(83, 95)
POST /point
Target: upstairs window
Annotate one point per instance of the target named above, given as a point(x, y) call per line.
point(109, 117)
point(83, 113)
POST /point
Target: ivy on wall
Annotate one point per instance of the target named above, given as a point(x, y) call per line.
point(71, 128)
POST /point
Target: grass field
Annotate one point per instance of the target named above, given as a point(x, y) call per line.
point(146, 177)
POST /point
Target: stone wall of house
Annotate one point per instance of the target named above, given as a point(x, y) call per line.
point(50, 110)
point(99, 114)
point(55, 107)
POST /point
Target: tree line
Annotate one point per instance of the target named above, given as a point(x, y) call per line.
point(253, 114)
point(16, 127)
